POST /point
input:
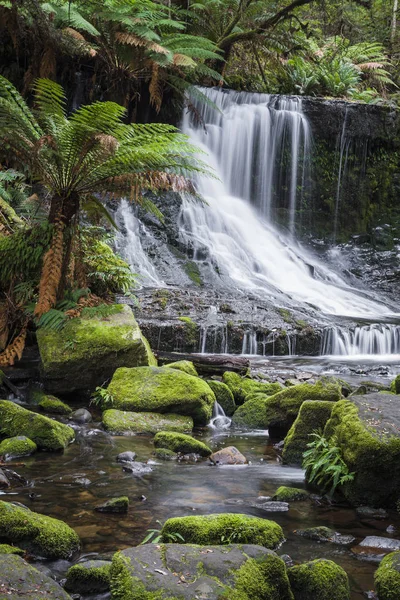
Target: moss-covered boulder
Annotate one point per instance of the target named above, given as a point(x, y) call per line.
point(387, 577)
point(20, 580)
point(40, 535)
point(162, 390)
point(395, 385)
point(119, 421)
point(89, 577)
point(319, 579)
point(179, 442)
point(16, 446)
point(241, 387)
point(89, 349)
point(186, 366)
point(366, 429)
point(45, 432)
point(54, 406)
point(223, 396)
point(252, 414)
point(313, 416)
point(224, 528)
point(114, 505)
point(290, 494)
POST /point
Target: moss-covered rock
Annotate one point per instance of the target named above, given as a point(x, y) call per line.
point(89, 577)
point(89, 349)
point(290, 494)
point(252, 414)
point(366, 431)
point(320, 580)
point(244, 386)
point(114, 505)
point(7, 549)
point(223, 396)
point(162, 390)
point(387, 577)
point(20, 580)
point(179, 442)
point(186, 366)
point(16, 446)
point(165, 454)
point(313, 415)
point(225, 528)
point(46, 433)
point(54, 406)
point(118, 421)
point(40, 535)
point(395, 385)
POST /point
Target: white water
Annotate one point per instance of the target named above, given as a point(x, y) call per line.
point(377, 339)
point(219, 419)
point(243, 140)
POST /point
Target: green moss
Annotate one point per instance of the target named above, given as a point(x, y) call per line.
point(114, 505)
point(223, 396)
point(162, 297)
point(46, 433)
point(179, 442)
point(37, 533)
point(242, 387)
point(191, 330)
point(162, 390)
point(17, 446)
point(252, 414)
point(7, 549)
point(165, 454)
point(222, 528)
point(88, 577)
point(387, 577)
point(290, 494)
point(313, 415)
point(192, 271)
point(320, 580)
point(286, 315)
point(262, 579)
point(53, 405)
point(375, 458)
point(186, 366)
point(118, 421)
point(2, 376)
point(395, 385)
point(102, 310)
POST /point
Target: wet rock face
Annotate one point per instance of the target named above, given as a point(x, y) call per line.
point(20, 580)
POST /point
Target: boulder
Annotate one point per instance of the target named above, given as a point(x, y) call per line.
point(19, 580)
point(81, 416)
point(290, 494)
point(231, 572)
point(228, 456)
point(223, 396)
point(16, 446)
point(241, 387)
point(313, 415)
point(366, 429)
point(162, 390)
point(40, 535)
point(319, 579)
point(45, 432)
point(89, 349)
point(114, 505)
point(118, 421)
point(395, 385)
point(252, 414)
point(387, 577)
point(179, 442)
point(89, 577)
point(186, 366)
point(225, 528)
point(54, 406)
point(373, 548)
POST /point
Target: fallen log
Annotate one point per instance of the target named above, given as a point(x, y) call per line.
point(208, 364)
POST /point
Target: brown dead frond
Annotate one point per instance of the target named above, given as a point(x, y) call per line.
point(181, 60)
point(3, 325)
point(82, 43)
point(48, 63)
point(85, 302)
point(14, 350)
point(156, 88)
point(51, 271)
point(131, 39)
point(108, 142)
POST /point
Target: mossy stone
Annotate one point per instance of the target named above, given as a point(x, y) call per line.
point(165, 454)
point(45, 432)
point(387, 577)
point(16, 446)
point(162, 390)
point(20, 580)
point(89, 349)
point(118, 421)
point(225, 528)
point(40, 535)
point(319, 579)
point(223, 396)
point(179, 442)
point(53, 405)
point(244, 386)
point(186, 366)
point(89, 577)
point(114, 505)
point(313, 416)
point(7, 549)
point(252, 414)
point(290, 494)
point(395, 385)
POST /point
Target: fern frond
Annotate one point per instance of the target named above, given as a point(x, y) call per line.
point(14, 350)
point(51, 271)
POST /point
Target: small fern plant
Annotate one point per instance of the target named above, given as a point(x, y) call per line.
point(155, 536)
point(324, 464)
point(102, 398)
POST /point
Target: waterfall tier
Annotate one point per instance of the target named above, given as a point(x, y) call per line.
point(377, 339)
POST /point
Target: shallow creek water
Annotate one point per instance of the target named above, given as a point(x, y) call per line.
point(69, 485)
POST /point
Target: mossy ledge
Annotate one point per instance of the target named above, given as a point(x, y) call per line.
point(40, 535)
point(179, 442)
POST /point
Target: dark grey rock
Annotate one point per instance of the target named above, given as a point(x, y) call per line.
point(19, 580)
point(128, 456)
point(375, 541)
point(271, 506)
point(81, 416)
point(4, 482)
point(325, 534)
point(367, 512)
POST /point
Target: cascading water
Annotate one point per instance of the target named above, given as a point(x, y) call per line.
point(219, 419)
point(377, 339)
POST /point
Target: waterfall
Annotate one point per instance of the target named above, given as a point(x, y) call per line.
point(343, 154)
point(376, 339)
point(219, 419)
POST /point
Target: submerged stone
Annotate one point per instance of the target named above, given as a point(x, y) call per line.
point(387, 577)
point(118, 421)
point(228, 456)
point(90, 348)
point(179, 442)
point(89, 577)
point(165, 454)
point(19, 580)
point(114, 505)
point(40, 535)
point(319, 579)
point(162, 390)
point(325, 534)
point(45, 432)
point(223, 396)
point(368, 512)
point(137, 468)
